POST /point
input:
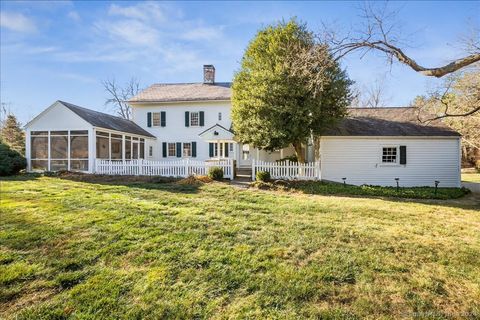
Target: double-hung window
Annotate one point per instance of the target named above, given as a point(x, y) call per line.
point(194, 119)
point(156, 119)
point(187, 149)
point(389, 155)
point(172, 149)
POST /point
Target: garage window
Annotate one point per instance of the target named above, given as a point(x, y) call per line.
point(389, 154)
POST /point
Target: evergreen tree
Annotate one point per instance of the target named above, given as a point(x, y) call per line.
point(288, 88)
point(12, 134)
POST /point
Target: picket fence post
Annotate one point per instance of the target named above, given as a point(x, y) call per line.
point(253, 169)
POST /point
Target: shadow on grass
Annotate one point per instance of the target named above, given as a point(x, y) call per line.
point(449, 197)
point(21, 177)
point(169, 184)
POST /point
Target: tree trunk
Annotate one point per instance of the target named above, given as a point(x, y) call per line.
point(299, 151)
point(316, 146)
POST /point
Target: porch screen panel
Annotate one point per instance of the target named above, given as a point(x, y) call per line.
point(58, 150)
point(103, 145)
point(128, 148)
point(116, 145)
point(79, 150)
point(142, 148)
point(39, 150)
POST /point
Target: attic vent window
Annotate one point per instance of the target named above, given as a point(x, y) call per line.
point(208, 74)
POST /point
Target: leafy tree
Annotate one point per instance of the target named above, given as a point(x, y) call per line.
point(12, 134)
point(287, 89)
point(11, 161)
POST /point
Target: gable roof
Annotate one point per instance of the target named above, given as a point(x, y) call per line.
point(106, 121)
point(387, 122)
point(175, 92)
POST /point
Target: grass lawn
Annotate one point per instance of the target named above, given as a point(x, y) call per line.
point(165, 250)
point(471, 177)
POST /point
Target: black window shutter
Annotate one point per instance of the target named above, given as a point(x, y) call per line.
point(179, 149)
point(403, 154)
point(202, 118)
point(226, 149)
point(187, 118)
point(210, 149)
point(164, 149)
point(194, 149)
point(163, 119)
point(149, 119)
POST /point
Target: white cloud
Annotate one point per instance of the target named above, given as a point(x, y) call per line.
point(17, 22)
point(147, 12)
point(130, 31)
point(203, 33)
point(74, 16)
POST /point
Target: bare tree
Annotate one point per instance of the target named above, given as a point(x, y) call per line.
point(374, 95)
point(119, 96)
point(458, 94)
point(380, 32)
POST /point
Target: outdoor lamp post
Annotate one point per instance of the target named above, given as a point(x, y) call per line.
point(344, 184)
point(398, 187)
point(436, 186)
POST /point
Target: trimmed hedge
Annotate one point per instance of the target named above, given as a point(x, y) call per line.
point(262, 176)
point(215, 173)
point(11, 162)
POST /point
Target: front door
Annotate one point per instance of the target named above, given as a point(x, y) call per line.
point(245, 155)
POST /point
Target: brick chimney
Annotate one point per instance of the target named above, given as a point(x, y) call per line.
point(208, 74)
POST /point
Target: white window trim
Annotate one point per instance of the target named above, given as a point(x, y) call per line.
point(397, 158)
point(168, 150)
point(183, 150)
point(191, 116)
point(159, 119)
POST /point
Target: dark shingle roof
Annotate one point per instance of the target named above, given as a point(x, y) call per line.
point(171, 92)
point(387, 122)
point(107, 121)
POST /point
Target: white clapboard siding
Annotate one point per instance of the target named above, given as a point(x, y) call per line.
point(359, 161)
point(287, 170)
point(175, 168)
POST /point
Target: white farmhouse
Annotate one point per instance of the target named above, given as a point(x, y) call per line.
point(192, 120)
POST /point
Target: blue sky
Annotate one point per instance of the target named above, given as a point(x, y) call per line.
point(63, 50)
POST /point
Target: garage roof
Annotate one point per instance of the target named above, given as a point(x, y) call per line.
point(387, 122)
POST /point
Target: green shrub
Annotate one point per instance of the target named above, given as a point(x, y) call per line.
point(11, 162)
point(215, 173)
point(262, 176)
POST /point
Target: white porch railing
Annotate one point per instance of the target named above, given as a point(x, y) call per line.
point(176, 168)
point(288, 170)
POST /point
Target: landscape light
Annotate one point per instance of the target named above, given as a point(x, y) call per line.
point(398, 187)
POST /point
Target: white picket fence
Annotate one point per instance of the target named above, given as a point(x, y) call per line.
point(288, 170)
point(176, 168)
